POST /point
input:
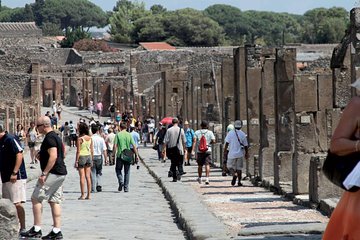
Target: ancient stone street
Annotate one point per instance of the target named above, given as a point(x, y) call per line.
point(189, 211)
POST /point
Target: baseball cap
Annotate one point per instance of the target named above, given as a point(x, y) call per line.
point(186, 122)
point(238, 124)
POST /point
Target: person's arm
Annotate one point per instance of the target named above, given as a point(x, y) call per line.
point(92, 150)
point(19, 159)
point(193, 145)
point(183, 140)
point(342, 141)
point(78, 143)
point(104, 150)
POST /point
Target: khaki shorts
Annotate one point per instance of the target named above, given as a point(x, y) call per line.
point(235, 163)
point(16, 192)
point(52, 190)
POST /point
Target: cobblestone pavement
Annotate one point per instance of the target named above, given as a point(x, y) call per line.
point(141, 213)
point(215, 211)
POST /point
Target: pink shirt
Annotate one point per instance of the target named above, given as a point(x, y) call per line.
point(99, 106)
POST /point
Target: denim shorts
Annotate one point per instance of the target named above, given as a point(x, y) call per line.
point(84, 161)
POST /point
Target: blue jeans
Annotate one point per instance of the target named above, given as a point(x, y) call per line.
point(96, 172)
point(118, 169)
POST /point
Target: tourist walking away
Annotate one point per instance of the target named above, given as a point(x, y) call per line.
point(53, 107)
point(203, 140)
point(124, 156)
point(13, 174)
point(344, 219)
point(91, 106)
point(49, 186)
point(59, 110)
point(111, 110)
point(20, 135)
point(32, 135)
point(190, 141)
point(136, 137)
point(84, 159)
point(145, 132)
point(174, 148)
point(99, 108)
point(109, 140)
point(236, 148)
point(224, 168)
point(73, 135)
point(159, 140)
point(100, 154)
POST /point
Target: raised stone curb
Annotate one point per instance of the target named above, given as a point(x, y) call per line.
point(192, 215)
point(282, 229)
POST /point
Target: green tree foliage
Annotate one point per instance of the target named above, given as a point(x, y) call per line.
point(235, 24)
point(73, 35)
point(15, 15)
point(189, 27)
point(92, 45)
point(324, 25)
point(157, 9)
point(51, 29)
point(37, 7)
point(28, 14)
point(73, 14)
point(123, 18)
point(149, 29)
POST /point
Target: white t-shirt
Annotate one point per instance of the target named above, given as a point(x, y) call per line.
point(110, 138)
point(209, 135)
point(235, 149)
point(99, 144)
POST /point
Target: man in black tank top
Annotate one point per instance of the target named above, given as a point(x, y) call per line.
point(50, 182)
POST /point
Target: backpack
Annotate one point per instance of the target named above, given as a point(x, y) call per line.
point(72, 129)
point(202, 144)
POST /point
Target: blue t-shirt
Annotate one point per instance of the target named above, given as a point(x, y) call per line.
point(136, 138)
point(9, 147)
point(189, 136)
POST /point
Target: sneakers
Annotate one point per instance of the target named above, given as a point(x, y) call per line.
point(240, 184)
point(199, 180)
point(32, 233)
point(207, 181)
point(233, 181)
point(120, 187)
point(53, 235)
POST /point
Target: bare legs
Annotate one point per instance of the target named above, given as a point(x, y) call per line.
point(21, 214)
point(85, 174)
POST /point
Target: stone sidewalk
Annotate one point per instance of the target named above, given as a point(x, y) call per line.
point(220, 211)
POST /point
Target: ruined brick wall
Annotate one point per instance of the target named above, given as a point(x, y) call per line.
point(14, 86)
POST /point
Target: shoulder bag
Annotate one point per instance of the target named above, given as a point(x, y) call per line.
point(174, 151)
point(337, 168)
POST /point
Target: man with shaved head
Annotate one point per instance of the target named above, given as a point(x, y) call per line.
point(50, 182)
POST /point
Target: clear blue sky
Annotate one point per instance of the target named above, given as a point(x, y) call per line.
point(290, 6)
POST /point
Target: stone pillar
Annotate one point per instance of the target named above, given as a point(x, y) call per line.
point(267, 120)
point(285, 68)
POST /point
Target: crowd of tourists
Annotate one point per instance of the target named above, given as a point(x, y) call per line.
point(181, 144)
point(113, 142)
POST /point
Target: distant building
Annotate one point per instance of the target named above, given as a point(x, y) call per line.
point(19, 29)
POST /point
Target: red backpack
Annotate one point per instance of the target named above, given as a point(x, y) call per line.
point(202, 144)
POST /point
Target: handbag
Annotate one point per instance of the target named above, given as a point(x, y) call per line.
point(336, 168)
point(127, 156)
point(155, 147)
